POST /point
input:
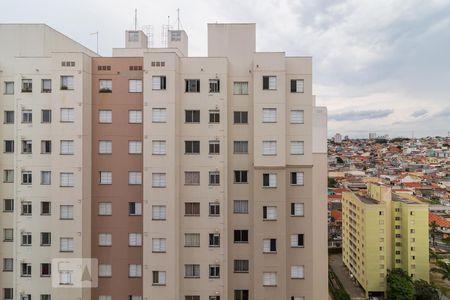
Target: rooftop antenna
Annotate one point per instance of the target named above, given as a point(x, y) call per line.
point(178, 19)
point(96, 33)
point(135, 19)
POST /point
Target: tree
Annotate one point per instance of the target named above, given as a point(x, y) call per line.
point(424, 291)
point(434, 232)
point(332, 183)
point(443, 268)
point(399, 285)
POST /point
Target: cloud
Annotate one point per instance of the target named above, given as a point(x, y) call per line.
point(419, 113)
point(361, 115)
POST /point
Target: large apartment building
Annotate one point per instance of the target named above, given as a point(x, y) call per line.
point(384, 231)
point(193, 178)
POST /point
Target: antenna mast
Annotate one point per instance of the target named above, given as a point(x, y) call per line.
point(178, 19)
point(135, 19)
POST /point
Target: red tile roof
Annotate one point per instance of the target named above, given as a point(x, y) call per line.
point(440, 221)
point(336, 215)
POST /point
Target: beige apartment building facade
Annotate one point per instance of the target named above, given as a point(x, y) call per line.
point(193, 177)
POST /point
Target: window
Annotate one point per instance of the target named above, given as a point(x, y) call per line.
point(135, 116)
point(46, 177)
point(67, 83)
point(297, 241)
point(191, 271)
point(135, 147)
point(8, 116)
point(214, 147)
point(192, 239)
point(214, 116)
point(105, 86)
point(192, 85)
point(8, 205)
point(297, 86)
point(46, 208)
point(269, 115)
point(67, 147)
point(8, 234)
point(214, 86)
point(134, 208)
point(191, 297)
point(104, 270)
point(270, 245)
point(67, 64)
point(66, 244)
point(27, 147)
point(158, 147)
point(105, 177)
point(65, 277)
point(240, 176)
point(297, 147)
point(134, 270)
point(240, 117)
point(66, 179)
point(8, 176)
point(214, 240)
point(105, 116)
point(46, 116)
point(46, 270)
point(240, 147)
point(159, 82)
point(241, 266)
point(192, 116)
point(8, 264)
point(159, 245)
point(214, 271)
point(26, 208)
point(297, 116)
point(25, 270)
point(159, 180)
point(159, 115)
point(66, 212)
point(135, 86)
point(214, 178)
point(27, 85)
point(46, 297)
point(214, 209)
point(192, 178)
point(46, 85)
point(240, 206)
point(269, 82)
point(297, 209)
point(297, 178)
point(8, 146)
point(269, 279)
point(269, 213)
point(27, 116)
point(67, 115)
point(133, 36)
point(9, 88)
point(105, 209)
point(135, 239)
point(241, 236)
point(158, 212)
point(134, 177)
point(26, 239)
point(269, 148)
point(159, 278)
point(270, 180)
point(105, 147)
point(297, 272)
point(46, 147)
point(27, 177)
point(105, 239)
point(240, 88)
point(192, 209)
point(192, 147)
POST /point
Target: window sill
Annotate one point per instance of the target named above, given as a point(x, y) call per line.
point(191, 277)
point(271, 285)
point(271, 252)
point(158, 284)
point(270, 220)
point(269, 187)
point(297, 215)
point(158, 251)
point(192, 215)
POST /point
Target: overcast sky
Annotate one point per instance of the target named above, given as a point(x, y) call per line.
point(379, 66)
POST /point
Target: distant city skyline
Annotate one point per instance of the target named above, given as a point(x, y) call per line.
point(379, 66)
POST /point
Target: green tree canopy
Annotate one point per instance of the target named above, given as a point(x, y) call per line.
point(424, 291)
point(399, 285)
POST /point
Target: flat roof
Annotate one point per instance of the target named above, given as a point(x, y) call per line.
point(366, 199)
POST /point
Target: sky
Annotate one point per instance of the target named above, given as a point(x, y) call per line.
point(379, 66)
